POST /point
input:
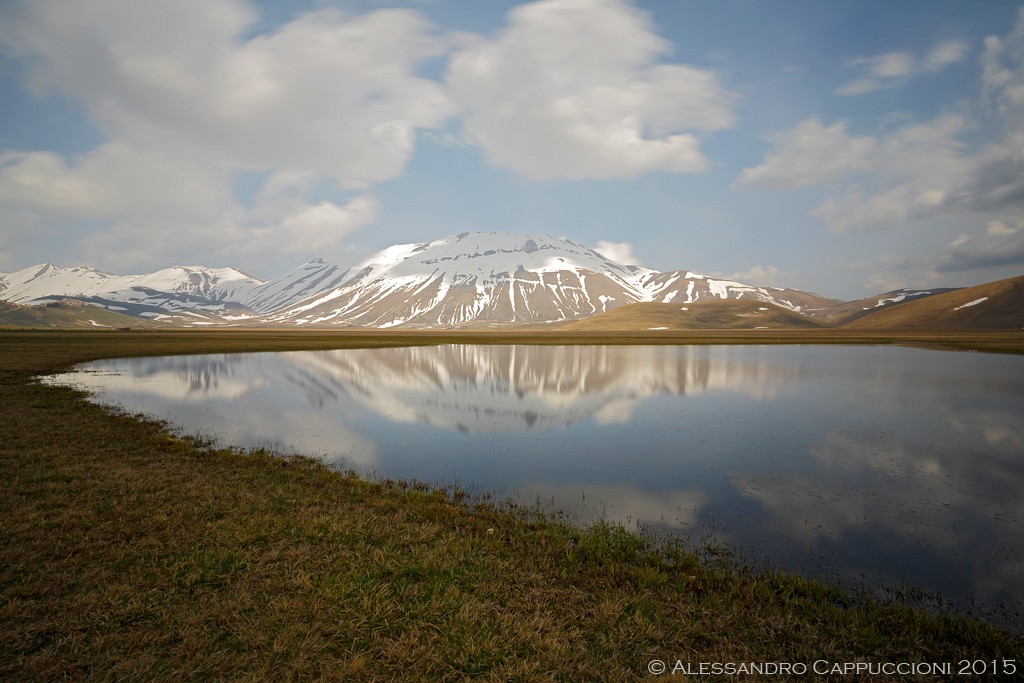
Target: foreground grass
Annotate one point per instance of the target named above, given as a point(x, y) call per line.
point(128, 554)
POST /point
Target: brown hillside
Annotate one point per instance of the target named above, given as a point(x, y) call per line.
point(67, 314)
point(717, 314)
point(992, 306)
point(851, 310)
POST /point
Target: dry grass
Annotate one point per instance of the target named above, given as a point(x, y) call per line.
point(128, 554)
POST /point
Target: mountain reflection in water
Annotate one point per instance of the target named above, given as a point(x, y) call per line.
point(881, 465)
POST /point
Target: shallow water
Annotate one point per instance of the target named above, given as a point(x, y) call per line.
point(873, 465)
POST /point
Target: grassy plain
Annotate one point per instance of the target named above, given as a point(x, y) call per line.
point(129, 554)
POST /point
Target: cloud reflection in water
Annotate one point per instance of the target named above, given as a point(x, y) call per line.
point(893, 464)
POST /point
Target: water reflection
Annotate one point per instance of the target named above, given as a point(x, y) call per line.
point(880, 465)
point(508, 388)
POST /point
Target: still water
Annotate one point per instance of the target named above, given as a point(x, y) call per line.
point(872, 465)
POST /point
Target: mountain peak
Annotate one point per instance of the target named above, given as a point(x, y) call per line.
point(467, 278)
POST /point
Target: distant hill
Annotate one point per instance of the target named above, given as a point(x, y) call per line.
point(992, 306)
point(708, 314)
point(67, 314)
point(851, 310)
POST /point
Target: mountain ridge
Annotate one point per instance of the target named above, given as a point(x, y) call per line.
point(460, 280)
point(722, 314)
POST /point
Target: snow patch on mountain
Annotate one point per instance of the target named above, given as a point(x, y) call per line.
point(972, 303)
point(901, 295)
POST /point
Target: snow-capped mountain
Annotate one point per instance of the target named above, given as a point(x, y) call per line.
point(502, 278)
point(469, 278)
point(299, 284)
point(184, 293)
point(472, 277)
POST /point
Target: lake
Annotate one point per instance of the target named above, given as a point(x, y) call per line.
point(876, 466)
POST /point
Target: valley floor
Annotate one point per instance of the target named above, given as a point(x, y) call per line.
point(128, 554)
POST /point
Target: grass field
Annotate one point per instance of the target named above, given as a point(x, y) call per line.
point(129, 554)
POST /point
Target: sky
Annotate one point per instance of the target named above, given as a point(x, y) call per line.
point(845, 147)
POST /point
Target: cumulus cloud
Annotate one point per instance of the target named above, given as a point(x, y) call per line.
point(809, 154)
point(321, 225)
point(1001, 244)
point(327, 91)
point(328, 99)
point(998, 227)
point(191, 95)
point(944, 54)
point(893, 69)
point(891, 271)
point(130, 181)
point(6, 259)
point(998, 176)
point(619, 252)
point(853, 211)
point(1002, 77)
point(574, 89)
point(915, 170)
point(761, 276)
point(908, 170)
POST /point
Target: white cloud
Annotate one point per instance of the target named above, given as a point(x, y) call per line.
point(883, 71)
point(6, 259)
point(918, 170)
point(761, 276)
point(326, 91)
point(326, 100)
point(809, 154)
point(998, 227)
point(891, 65)
point(317, 227)
point(1001, 244)
point(893, 69)
point(1002, 76)
point(944, 54)
point(912, 171)
point(235, 237)
point(619, 252)
point(115, 179)
point(569, 89)
point(891, 271)
point(854, 211)
point(573, 89)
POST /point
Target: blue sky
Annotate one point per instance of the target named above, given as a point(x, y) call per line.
point(846, 148)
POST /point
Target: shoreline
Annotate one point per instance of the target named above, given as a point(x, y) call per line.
point(136, 553)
